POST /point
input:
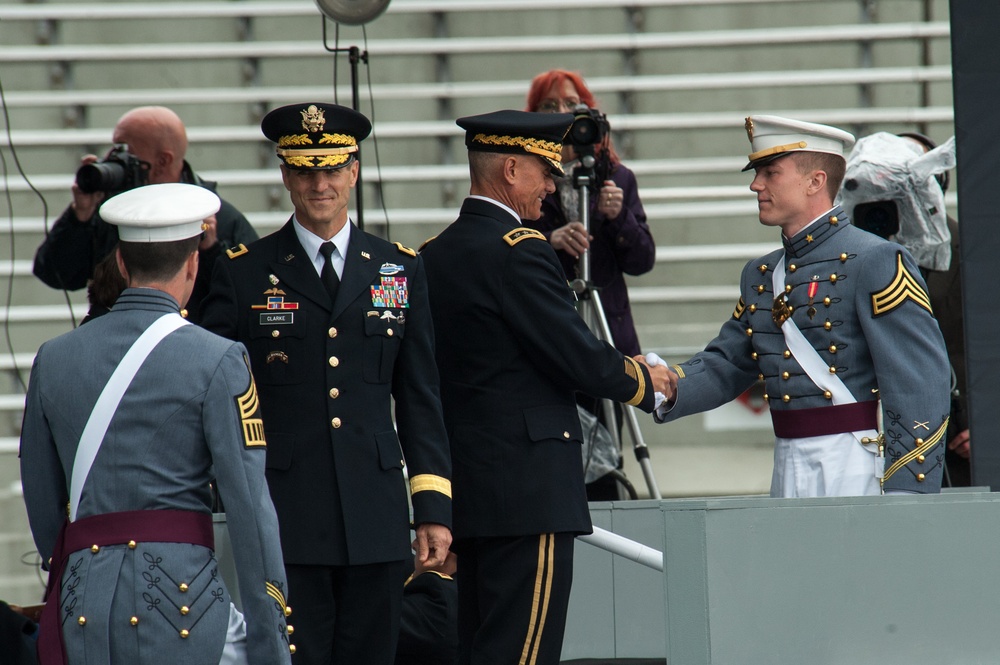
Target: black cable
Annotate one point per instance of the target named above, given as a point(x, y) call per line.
point(379, 186)
point(10, 217)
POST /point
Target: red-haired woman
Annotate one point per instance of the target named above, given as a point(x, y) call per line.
point(619, 241)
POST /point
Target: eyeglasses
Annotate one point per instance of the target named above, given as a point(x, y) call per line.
point(555, 105)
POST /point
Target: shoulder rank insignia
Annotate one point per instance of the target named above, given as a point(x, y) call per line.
point(404, 249)
point(239, 250)
point(740, 308)
point(522, 233)
point(425, 243)
point(903, 287)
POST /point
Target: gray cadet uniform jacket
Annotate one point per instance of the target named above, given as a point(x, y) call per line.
point(869, 319)
point(189, 416)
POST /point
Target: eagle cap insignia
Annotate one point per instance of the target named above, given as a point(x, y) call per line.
point(313, 119)
point(749, 127)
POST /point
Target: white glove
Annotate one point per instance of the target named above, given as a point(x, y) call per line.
point(658, 397)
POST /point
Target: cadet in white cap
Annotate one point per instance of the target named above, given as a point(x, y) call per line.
point(837, 325)
point(157, 409)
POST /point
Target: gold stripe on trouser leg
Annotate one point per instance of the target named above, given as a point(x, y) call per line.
point(541, 593)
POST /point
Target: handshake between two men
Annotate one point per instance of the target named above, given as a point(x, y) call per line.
point(664, 379)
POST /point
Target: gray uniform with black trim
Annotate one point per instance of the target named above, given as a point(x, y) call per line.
point(189, 416)
point(870, 321)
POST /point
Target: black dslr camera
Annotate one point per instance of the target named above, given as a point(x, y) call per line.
point(116, 173)
point(589, 127)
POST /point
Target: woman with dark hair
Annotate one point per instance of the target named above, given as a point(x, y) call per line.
point(618, 240)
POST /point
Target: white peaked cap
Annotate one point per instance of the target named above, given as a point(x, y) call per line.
point(160, 213)
point(772, 136)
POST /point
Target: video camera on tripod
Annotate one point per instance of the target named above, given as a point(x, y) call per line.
point(589, 127)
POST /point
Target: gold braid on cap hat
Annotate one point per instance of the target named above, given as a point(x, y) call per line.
point(327, 156)
point(547, 149)
point(766, 152)
point(306, 160)
point(303, 139)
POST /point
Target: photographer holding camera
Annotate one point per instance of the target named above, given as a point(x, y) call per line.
point(619, 240)
point(149, 144)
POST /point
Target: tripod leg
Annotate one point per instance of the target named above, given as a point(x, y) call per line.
point(594, 316)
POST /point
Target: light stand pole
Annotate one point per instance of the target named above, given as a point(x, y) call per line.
point(354, 55)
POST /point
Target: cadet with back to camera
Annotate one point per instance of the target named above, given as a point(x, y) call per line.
point(156, 410)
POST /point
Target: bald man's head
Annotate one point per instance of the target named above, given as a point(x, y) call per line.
point(154, 134)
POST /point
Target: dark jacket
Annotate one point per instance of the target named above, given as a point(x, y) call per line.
point(945, 290)
point(621, 246)
point(512, 349)
point(327, 375)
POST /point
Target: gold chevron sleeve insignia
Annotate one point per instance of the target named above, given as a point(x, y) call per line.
point(740, 308)
point(522, 233)
point(275, 592)
point(253, 428)
point(922, 448)
point(902, 288)
point(239, 250)
point(633, 371)
point(426, 482)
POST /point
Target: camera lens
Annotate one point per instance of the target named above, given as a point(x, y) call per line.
point(878, 217)
point(584, 131)
point(100, 177)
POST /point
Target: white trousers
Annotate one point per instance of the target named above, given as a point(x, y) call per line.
point(235, 651)
point(829, 465)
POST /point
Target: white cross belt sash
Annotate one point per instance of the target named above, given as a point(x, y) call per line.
point(807, 356)
point(107, 404)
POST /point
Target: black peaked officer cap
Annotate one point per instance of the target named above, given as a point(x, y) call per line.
point(315, 136)
point(518, 132)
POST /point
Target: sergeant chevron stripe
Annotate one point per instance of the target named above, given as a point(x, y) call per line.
point(740, 308)
point(275, 592)
point(902, 287)
point(921, 449)
point(253, 428)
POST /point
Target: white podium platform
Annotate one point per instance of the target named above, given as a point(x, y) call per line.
point(757, 581)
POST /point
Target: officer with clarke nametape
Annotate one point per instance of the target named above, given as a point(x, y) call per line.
point(839, 327)
point(337, 324)
point(128, 420)
point(512, 351)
